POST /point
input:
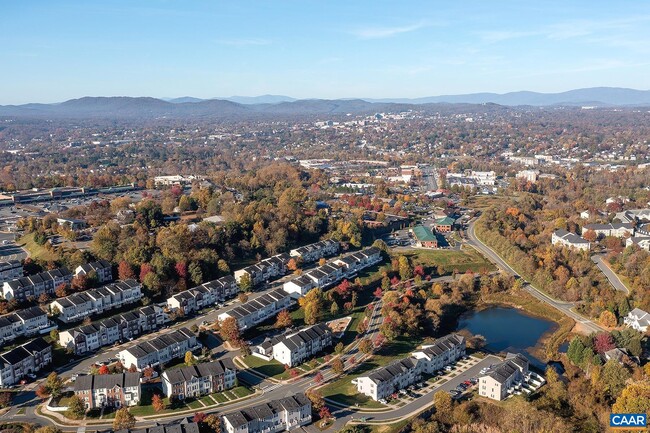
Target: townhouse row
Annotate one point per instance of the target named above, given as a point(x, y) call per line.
point(259, 309)
point(199, 380)
point(10, 270)
point(23, 323)
point(294, 348)
point(277, 415)
point(384, 381)
point(205, 295)
point(31, 287)
point(25, 359)
point(316, 251)
point(120, 328)
point(265, 270)
point(78, 306)
point(324, 276)
point(159, 350)
point(108, 390)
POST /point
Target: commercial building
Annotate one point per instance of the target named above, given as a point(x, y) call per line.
point(159, 350)
point(28, 358)
point(201, 379)
point(259, 309)
point(31, 287)
point(108, 390)
point(76, 307)
point(277, 415)
point(424, 237)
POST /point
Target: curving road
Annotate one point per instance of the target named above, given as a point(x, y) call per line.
point(564, 307)
point(611, 275)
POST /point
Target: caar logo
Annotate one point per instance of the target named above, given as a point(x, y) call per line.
point(628, 421)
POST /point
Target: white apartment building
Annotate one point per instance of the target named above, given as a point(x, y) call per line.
point(277, 415)
point(497, 383)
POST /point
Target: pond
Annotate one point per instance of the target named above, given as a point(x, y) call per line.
point(508, 330)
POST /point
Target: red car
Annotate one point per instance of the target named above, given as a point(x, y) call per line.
point(468, 383)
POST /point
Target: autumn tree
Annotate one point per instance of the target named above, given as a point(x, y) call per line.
point(229, 329)
point(47, 429)
point(312, 304)
point(613, 377)
point(283, 320)
point(316, 399)
point(199, 417)
point(157, 403)
point(603, 342)
point(5, 399)
point(366, 346)
point(245, 283)
point(339, 348)
point(103, 370)
point(189, 359)
point(443, 403)
point(213, 423)
point(635, 398)
point(125, 271)
point(337, 366)
point(53, 384)
point(76, 408)
point(123, 419)
point(607, 319)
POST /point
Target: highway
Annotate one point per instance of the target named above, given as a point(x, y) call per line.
point(565, 307)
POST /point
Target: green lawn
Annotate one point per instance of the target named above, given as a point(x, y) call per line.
point(241, 391)
point(466, 259)
point(36, 251)
point(195, 404)
point(270, 368)
point(342, 390)
point(220, 397)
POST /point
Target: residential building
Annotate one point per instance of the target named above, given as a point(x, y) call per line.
point(120, 328)
point(618, 230)
point(570, 240)
point(72, 223)
point(424, 237)
point(205, 295)
point(265, 270)
point(259, 309)
point(102, 269)
point(444, 225)
point(10, 270)
point(638, 320)
point(28, 358)
point(498, 382)
point(313, 252)
point(528, 175)
point(160, 350)
point(76, 307)
point(277, 415)
point(326, 275)
point(357, 261)
point(299, 286)
point(201, 379)
point(108, 390)
point(31, 287)
point(176, 179)
point(294, 348)
point(642, 242)
point(23, 323)
point(384, 381)
point(442, 352)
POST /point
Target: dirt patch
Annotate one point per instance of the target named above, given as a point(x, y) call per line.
point(579, 328)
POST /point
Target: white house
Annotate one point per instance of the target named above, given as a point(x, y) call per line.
point(32, 286)
point(498, 381)
point(316, 251)
point(442, 352)
point(570, 240)
point(299, 286)
point(20, 361)
point(638, 320)
point(277, 415)
point(618, 230)
point(259, 309)
point(265, 270)
point(384, 381)
point(205, 295)
point(159, 350)
point(294, 348)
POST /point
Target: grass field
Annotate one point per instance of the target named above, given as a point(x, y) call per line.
point(467, 259)
point(36, 251)
point(343, 391)
point(270, 368)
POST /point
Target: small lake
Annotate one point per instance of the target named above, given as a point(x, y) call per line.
point(508, 330)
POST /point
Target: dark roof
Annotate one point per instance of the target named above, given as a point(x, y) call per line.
point(183, 374)
point(387, 373)
point(267, 410)
point(107, 381)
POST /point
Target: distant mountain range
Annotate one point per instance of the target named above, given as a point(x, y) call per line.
point(276, 105)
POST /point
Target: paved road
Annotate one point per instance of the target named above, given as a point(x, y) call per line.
point(611, 276)
point(564, 307)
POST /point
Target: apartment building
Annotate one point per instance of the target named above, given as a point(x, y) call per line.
point(442, 352)
point(120, 328)
point(357, 261)
point(569, 240)
point(108, 390)
point(205, 295)
point(277, 415)
point(201, 379)
point(316, 251)
point(31, 287)
point(180, 426)
point(76, 307)
point(259, 309)
point(22, 323)
point(10, 270)
point(160, 350)
point(102, 269)
point(618, 230)
point(384, 381)
point(28, 358)
point(265, 270)
point(498, 381)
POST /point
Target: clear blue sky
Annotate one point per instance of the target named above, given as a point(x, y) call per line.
point(57, 50)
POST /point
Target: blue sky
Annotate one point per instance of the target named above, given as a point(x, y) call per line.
point(57, 50)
